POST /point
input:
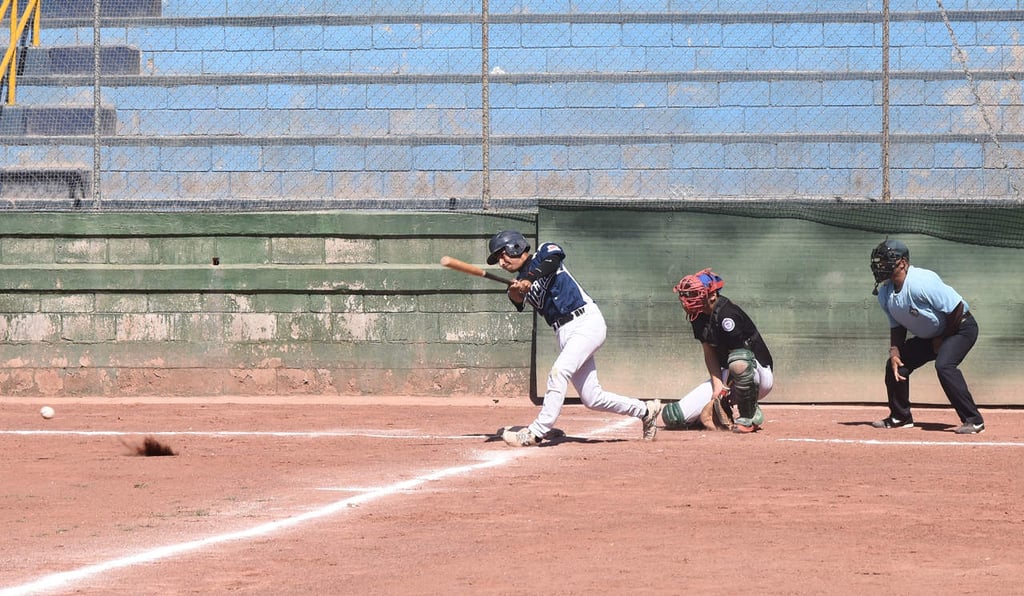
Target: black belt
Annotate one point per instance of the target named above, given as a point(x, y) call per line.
point(565, 319)
point(967, 315)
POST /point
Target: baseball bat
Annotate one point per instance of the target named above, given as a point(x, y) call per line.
point(453, 263)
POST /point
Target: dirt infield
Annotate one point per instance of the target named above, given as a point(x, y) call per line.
point(416, 498)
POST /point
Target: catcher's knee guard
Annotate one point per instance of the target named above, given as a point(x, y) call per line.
point(672, 416)
point(744, 382)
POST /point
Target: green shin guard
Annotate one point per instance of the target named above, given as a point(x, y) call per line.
point(672, 416)
point(752, 422)
point(758, 417)
point(745, 388)
point(747, 408)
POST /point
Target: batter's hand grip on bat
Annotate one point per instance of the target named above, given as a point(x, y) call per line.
point(453, 263)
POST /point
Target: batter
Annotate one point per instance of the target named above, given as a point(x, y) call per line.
point(544, 283)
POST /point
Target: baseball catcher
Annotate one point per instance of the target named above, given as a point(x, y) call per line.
point(737, 359)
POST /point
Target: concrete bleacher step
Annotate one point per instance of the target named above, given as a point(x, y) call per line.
point(80, 9)
point(79, 60)
point(45, 181)
point(54, 120)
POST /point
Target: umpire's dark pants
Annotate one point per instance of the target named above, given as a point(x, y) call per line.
point(917, 352)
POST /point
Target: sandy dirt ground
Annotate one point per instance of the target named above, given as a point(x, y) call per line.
point(393, 496)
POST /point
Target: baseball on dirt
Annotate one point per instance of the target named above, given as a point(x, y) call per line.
point(46, 412)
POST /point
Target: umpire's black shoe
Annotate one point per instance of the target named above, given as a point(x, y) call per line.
point(971, 429)
point(890, 422)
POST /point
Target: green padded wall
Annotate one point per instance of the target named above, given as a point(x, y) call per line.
point(807, 286)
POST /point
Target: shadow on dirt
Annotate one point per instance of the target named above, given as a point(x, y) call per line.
point(557, 436)
point(925, 426)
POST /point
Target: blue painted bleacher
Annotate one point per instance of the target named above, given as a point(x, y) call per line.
point(279, 100)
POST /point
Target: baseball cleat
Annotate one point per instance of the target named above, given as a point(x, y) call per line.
point(519, 438)
point(554, 433)
point(970, 429)
point(651, 419)
point(745, 425)
point(890, 422)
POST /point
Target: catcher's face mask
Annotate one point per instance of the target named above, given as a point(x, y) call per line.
point(694, 290)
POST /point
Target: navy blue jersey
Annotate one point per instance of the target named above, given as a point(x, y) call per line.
point(555, 294)
point(728, 328)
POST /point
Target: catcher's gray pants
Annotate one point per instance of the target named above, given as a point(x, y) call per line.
point(578, 341)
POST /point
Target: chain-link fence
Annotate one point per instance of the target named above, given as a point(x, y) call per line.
point(245, 104)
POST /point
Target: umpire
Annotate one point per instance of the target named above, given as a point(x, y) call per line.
point(944, 330)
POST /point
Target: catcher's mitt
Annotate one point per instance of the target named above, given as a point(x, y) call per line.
point(717, 414)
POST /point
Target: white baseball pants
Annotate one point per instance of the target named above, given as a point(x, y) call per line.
point(578, 341)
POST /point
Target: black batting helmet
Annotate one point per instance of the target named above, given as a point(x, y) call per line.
point(510, 242)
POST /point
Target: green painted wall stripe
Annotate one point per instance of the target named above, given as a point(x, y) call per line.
point(353, 224)
point(292, 354)
point(361, 279)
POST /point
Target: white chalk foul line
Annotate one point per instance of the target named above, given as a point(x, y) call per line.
point(369, 433)
point(618, 425)
point(65, 578)
point(965, 443)
point(375, 434)
point(62, 579)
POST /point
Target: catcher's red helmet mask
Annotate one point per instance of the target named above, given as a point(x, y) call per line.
point(694, 289)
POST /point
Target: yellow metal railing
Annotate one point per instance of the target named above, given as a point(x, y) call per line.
point(9, 65)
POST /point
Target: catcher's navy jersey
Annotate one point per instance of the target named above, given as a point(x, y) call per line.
point(728, 328)
point(556, 294)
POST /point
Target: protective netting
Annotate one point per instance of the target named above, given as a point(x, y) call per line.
point(243, 105)
point(983, 223)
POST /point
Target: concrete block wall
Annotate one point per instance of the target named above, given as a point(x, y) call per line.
point(317, 303)
point(741, 99)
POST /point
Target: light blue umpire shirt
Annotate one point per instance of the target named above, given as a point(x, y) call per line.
point(922, 304)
